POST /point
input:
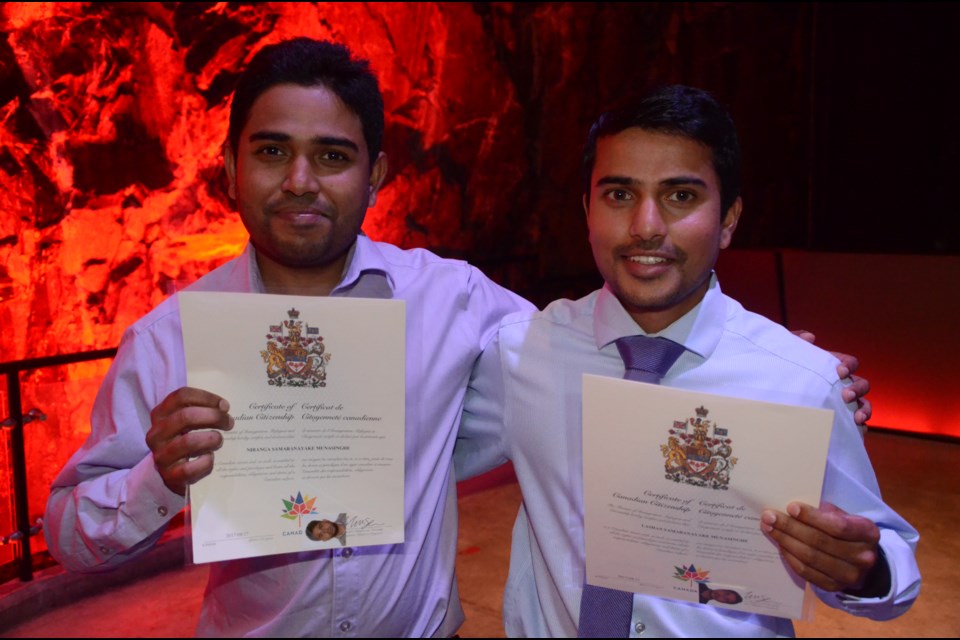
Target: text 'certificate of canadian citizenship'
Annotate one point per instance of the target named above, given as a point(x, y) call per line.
point(674, 484)
point(316, 389)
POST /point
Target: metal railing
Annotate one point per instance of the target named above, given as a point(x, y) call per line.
point(15, 423)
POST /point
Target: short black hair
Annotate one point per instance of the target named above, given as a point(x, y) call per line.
point(309, 63)
point(676, 110)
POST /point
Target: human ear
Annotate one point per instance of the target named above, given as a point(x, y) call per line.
point(729, 223)
point(230, 164)
point(378, 173)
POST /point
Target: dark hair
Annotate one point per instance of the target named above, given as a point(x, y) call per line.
point(676, 110)
point(308, 63)
point(309, 530)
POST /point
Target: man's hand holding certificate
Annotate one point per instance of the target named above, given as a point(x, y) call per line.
point(314, 387)
point(183, 435)
point(829, 547)
point(675, 483)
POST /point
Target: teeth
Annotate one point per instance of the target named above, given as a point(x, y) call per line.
point(647, 259)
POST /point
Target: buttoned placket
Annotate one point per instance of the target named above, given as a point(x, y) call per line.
point(346, 593)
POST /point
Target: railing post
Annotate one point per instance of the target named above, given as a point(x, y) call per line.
point(19, 476)
point(15, 423)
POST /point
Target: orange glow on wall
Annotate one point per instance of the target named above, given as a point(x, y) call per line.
point(112, 117)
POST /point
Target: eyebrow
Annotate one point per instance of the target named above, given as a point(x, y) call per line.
point(328, 141)
point(624, 181)
point(682, 180)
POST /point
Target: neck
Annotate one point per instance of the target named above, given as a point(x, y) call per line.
point(656, 319)
point(301, 281)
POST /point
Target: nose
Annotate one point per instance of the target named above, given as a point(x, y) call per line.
point(300, 179)
point(647, 221)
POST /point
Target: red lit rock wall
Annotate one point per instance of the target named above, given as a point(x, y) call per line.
point(110, 147)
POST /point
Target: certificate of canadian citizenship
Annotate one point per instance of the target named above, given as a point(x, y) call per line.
point(674, 484)
point(316, 389)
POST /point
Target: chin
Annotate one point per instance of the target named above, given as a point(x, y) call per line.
point(649, 299)
point(300, 256)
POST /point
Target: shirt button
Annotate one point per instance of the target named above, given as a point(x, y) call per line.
point(345, 626)
point(640, 627)
point(104, 550)
point(346, 553)
point(162, 511)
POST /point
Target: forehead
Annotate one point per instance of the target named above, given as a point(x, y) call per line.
point(302, 112)
point(653, 156)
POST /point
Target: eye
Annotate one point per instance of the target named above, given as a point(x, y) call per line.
point(682, 196)
point(618, 195)
point(269, 150)
point(334, 156)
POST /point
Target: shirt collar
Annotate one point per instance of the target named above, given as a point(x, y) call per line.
point(248, 262)
point(364, 258)
point(699, 330)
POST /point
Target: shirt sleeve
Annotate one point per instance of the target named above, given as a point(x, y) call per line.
point(479, 447)
point(109, 503)
point(850, 483)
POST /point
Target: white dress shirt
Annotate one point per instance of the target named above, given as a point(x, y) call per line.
point(525, 404)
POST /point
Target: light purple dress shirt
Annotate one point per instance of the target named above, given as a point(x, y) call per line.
point(109, 504)
point(525, 405)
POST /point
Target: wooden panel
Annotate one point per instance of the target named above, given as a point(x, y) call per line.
point(751, 278)
point(899, 315)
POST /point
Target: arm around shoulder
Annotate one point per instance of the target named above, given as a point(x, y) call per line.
point(480, 444)
point(479, 447)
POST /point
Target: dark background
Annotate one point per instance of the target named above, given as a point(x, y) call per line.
point(847, 112)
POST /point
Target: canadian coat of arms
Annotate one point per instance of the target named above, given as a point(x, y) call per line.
point(694, 456)
point(294, 359)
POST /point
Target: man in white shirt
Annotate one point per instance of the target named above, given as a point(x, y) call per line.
point(662, 199)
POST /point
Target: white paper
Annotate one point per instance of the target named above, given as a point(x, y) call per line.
point(316, 389)
point(671, 514)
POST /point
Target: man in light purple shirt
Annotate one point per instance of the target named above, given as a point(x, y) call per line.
point(304, 162)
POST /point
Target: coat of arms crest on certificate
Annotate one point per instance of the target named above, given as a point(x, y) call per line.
point(294, 359)
point(698, 452)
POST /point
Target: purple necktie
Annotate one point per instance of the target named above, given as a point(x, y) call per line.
point(606, 613)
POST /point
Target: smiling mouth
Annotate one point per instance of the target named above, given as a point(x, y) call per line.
point(300, 212)
point(302, 217)
point(647, 259)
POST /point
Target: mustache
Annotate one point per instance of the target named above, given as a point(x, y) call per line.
point(653, 246)
point(643, 245)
